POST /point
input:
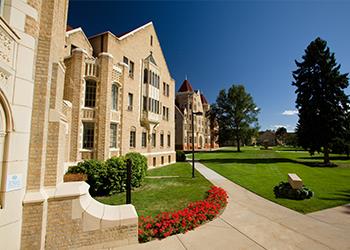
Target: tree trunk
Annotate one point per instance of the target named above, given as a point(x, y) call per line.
point(326, 155)
point(238, 144)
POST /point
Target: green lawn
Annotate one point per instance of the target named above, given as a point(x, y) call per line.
point(260, 170)
point(164, 194)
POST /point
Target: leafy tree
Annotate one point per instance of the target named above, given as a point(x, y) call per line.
point(281, 134)
point(321, 101)
point(236, 112)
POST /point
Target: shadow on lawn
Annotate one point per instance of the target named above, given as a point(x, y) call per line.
point(339, 196)
point(267, 161)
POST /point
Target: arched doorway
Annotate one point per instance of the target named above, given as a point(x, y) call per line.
point(201, 141)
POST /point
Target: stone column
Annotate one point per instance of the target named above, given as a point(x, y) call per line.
point(103, 116)
point(73, 92)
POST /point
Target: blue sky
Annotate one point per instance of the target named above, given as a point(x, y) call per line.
point(217, 44)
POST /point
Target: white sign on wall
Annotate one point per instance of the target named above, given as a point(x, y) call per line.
point(14, 182)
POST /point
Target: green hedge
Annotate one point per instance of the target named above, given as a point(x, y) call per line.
point(109, 177)
point(180, 156)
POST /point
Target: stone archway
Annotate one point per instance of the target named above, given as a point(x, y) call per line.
point(201, 142)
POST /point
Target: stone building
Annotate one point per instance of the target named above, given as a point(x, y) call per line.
point(122, 97)
point(205, 131)
point(64, 98)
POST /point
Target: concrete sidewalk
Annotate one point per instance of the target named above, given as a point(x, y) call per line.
point(252, 222)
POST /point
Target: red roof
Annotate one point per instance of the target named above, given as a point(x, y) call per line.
point(186, 87)
point(68, 28)
point(203, 99)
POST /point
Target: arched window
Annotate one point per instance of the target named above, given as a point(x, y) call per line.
point(90, 93)
point(114, 97)
point(132, 137)
point(145, 76)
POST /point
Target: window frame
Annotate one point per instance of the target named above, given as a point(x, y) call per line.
point(154, 140)
point(131, 69)
point(130, 101)
point(115, 96)
point(132, 138)
point(113, 137)
point(144, 139)
point(90, 93)
point(161, 140)
point(88, 138)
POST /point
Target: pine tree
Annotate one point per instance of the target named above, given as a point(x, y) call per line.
point(321, 101)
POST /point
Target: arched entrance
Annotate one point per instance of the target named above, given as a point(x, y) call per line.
point(201, 141)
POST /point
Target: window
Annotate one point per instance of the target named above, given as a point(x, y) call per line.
point(90, 93)
point(145, 76)
point(131, 69)
point(133, 137)
point(130, 101)
point(169, 158)
point(144, 139)
point(151, 41)
point(144, 104)
point(162, 140)
point(169, 142)
point(125, 60)
point(162, 160)
point(165, 113)
point(165, 89)
point(113, 135)
point(88, 135)
point(114, 97)
point(154, 161)
point(154, 140)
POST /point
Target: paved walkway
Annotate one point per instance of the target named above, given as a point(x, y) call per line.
point(252, 222)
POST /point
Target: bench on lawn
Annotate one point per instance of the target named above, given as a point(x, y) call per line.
point(295, 181)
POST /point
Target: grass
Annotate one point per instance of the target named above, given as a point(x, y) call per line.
point(164, 194)
point(260, 170)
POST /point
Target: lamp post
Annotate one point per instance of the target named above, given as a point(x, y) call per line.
point(193, 114)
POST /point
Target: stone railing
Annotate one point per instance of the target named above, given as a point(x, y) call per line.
point(88, 113)
point(91, 67)
point(77, 221)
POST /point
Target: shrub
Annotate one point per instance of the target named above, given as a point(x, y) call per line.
point(96, 172)
point(285, 190)
point(195, 214)
point(109, 177)
point(139, 168)
point(180, 156)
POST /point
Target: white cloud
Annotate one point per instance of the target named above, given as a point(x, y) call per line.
point(290, 112)
point(287, 126)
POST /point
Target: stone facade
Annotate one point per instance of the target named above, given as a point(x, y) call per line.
point(43, 75)
point(205, 131)
point(122, 96)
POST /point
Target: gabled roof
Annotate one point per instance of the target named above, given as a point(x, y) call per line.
point(186, 87)
point(203, 99)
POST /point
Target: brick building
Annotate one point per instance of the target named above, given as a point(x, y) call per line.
point(65, 98)
point(205, 131)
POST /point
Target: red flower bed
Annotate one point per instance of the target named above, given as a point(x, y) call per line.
point(195, 214)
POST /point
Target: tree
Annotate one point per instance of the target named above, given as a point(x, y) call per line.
point(236, 112)
point(321, 101)
point(281, 134)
